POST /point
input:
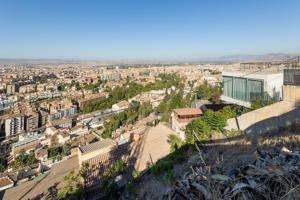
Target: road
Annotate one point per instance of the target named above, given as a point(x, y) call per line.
point(43, 187)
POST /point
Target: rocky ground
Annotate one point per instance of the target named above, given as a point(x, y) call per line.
point(216, 169)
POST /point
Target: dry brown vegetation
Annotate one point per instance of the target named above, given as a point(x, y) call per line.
point(236, 167)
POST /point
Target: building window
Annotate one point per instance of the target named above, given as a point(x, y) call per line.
point(227, 86)
point(240, 89)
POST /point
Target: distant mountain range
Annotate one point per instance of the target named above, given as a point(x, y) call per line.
point(253, 58)
point(222, 59)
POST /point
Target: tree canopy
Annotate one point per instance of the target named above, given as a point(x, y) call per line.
point(131, 89)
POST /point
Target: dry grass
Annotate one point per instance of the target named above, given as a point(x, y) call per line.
point(203, 176)
point(243, 169)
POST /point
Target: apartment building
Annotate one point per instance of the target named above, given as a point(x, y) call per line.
point(90, 98)
point(14, 125)
point(62, 123)
point(27, 88)
point(110, 76)
point(10, 89)
point(6, 103)
point(31, 122)
point(27, 144)
point(60, 109)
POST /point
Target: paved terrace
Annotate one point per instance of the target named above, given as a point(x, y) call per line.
point(154, 146)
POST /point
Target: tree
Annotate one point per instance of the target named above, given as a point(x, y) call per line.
point(175, 142)
point(23, 160)
point(61, 87)
point(199, 127)
point(53, 152)
point(2, 168)
point(83, 172)
point(206, 91)
point(216, 120)
point(228, 112)
point(145, 110)
point(66, 149)
point(73, 188)
point(131, 89)
point(215, 97)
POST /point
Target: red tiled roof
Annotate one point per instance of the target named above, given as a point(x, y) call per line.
point(188, 111)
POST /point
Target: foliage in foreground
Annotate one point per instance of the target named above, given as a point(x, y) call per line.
point(209, 122)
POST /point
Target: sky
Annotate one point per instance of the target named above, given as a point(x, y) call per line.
point(147, 29)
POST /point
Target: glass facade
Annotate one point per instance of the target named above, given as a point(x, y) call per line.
point(255, 90)
point(242, 89)
point(227, 86)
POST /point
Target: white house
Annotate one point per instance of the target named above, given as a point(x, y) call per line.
point(118, 107)
point(63, 137)
point(244, 87)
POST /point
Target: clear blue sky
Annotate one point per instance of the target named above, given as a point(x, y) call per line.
point(147, 29)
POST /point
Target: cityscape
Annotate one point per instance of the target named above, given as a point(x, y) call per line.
point(115, 100)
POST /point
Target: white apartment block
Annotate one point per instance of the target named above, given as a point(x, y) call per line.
point(14, 125)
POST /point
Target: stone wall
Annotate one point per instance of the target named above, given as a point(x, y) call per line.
point(270, 118)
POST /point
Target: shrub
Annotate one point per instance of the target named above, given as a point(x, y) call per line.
point(175, 142)
point(161, 166)
point(170, 177)
point(228, 112)
point(199, 127)
point(216, 120)
point(136, 174)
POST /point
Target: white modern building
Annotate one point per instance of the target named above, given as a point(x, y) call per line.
point(6, 103)
point(14, 125)
point(242, 88)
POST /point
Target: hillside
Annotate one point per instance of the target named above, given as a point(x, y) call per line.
point(218, 170)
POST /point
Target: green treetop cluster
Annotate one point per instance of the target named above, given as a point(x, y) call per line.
point(131, 89)
point(129, 116)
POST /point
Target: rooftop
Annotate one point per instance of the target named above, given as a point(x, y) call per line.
point(249, 73)
point(123, 103)
point(27, 140)
point(97, 145)
point(188, 111)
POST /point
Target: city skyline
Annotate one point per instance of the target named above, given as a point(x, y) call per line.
point(147, 30)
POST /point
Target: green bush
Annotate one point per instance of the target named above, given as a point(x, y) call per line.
point(216, 120)
point(23, 160)
point(136, 174)
point(73, 188)
point(228, 112)
point(161, 166)
point(199, 127)
point(169, 177)
point(177, 156)
point(175, 142)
